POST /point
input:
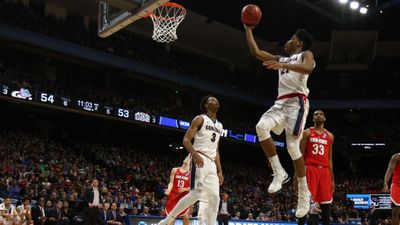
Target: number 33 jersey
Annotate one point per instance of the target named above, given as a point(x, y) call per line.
point(207, 137)
point(318, 147)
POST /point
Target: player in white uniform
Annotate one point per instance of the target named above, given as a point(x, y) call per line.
point(8, 213)
point(206, 171)
point(203, 206)
point(289, 111)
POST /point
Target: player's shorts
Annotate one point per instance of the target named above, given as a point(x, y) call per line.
point(173, 199)
point(320, 184)
point(289, 114)
point(205, 178)
point(395, 194)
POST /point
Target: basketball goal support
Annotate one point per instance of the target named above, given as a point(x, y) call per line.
point(130, 12)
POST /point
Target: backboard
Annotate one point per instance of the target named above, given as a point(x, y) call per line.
point(117, 14)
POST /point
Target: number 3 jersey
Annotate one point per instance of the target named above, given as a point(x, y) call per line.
point(207, 137)
point(317, 149)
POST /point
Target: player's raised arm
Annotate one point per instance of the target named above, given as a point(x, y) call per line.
point(306, 67)
point(255, 51)
point(171, 181)
point(392, 165)
point(303, 68)
point(187, 140)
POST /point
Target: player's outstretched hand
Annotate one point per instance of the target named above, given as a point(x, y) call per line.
point(198, 160)
point(166, 192)
point(273, 65)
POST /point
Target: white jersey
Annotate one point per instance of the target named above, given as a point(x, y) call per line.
point(290, 81)
point(23, 210)
point(9, 210)
point(206, 139)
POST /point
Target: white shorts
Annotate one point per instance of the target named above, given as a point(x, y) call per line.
point(205, 179)
point(289, 114)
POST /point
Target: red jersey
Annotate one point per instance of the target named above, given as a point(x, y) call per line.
point(396, 175)
point(181, 180)
point(317, 149)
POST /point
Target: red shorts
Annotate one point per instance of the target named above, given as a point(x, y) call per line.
point(173, 199)
point(395, 194)
point(320, 184)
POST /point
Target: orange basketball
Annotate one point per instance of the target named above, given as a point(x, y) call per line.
point(251, 15)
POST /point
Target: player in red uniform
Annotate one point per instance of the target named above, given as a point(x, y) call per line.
point(316, 147)
point(178, 187)
point(394, 169)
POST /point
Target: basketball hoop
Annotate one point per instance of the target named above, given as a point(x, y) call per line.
point(166, 20)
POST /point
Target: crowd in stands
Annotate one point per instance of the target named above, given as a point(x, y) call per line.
point(133, 179)
point(79, 83)
point(324, 84)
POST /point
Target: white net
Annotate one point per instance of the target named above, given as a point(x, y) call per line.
point(166, 20)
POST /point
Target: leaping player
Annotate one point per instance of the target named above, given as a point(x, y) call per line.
point(289, 111)
point(206, 171)
point(178, 187)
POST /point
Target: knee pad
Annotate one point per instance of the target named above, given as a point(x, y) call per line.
point(263, 129)
point(293, 147)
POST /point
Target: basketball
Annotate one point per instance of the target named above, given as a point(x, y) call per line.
point(251, 15)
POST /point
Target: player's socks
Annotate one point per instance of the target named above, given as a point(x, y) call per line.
point(276, 165)
point(280, 175)
point(304, 197)
point(302, 183)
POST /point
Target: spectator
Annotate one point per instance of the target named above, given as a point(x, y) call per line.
point(8, 213)
point(103, 214)
point(145, 211)
point(225, 210)
point(250, 217)
point(113, 216)
point(134, 211)
point(94, 201)
point(25, 212)
point(67, 211)
point(314, 214)
point(237, 216)
point(56, 215)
